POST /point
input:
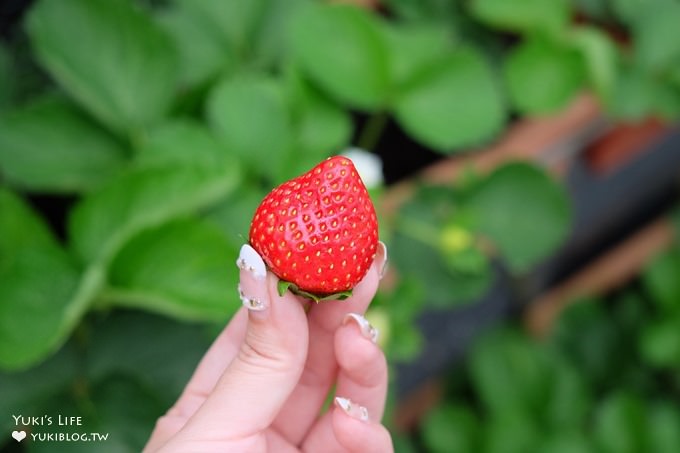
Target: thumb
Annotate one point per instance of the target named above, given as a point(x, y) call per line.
point(264, 372)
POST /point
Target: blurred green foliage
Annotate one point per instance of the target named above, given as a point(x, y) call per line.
point(155, 128)
point(605, 379)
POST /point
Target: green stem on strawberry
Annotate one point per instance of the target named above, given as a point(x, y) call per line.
point(372, 130)
point(283, 286)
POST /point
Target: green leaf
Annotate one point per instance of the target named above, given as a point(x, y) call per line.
point(415, 250)
point(7, 76)
point(424, 263)
point(234, 214)
point(543, 77)
point(564, 441)
point(639, 94)
point(586, 336)
point(142, 352)
point(415, 46)
point(24, 391)
point(51, 146)
point(250, 116)
point(119, 408)
point(569, 401)
point(655, 28)
point(322, 127)
point(343, 50)
point(664, 419)
point(511, 434)
point(233, 24)
point(660, 278)
point(102, 222)
point(660, 342)
point(271, 46)
point(183, 142)
point(452, 103)
point(109, 56)
point(627, 11)
point(201, 54)
point(37, 283)
point(510, 374)
point(620, 424)
point(450, 429)
point(601, 57)
point(522, 15)
point(523, 211)
point(183, 269)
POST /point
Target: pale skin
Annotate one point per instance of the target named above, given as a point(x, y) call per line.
point(262, 384)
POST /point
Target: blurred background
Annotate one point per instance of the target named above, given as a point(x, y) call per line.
point(524, 158)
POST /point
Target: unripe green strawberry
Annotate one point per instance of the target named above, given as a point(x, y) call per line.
point(318, 231)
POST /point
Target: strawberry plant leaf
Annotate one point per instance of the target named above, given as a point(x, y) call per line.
point(451, 428)
point(50, 146)
point(126, 83)
point(37, 282)
point(201, 53)
point(181, 269)
point(619, 424)
point(506, 205)
point(320, 126)
point(661, 281)
point(543, 77)
point(511, 374)
point(126, 425)
point(146, 197)
point(23, 391)
point(354, 69)
point(6, 78)
point(414, 47)
point(234, 214)
point(522, 15)
point(664, 419)
point(655, 28)
point(601, 58)
point(659, 342)
point(233, 24)
point(452, 103)
point(271, 46)
point(183, 142)
point(240, 109)
point(109, 353)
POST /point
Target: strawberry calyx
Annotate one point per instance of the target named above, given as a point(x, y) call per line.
point(283, 286)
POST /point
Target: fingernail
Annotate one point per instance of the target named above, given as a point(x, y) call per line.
point(252, 287)
point(367, 330)
point(381, 258)
point(352, 409)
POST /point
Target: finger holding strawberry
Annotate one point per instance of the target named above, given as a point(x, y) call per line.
point(263, 383)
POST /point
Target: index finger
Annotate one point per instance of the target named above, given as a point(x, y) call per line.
point(202, 382)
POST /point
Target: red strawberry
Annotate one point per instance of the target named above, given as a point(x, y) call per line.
point(318, 231)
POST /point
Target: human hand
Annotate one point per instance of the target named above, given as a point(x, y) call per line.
point(262, 384)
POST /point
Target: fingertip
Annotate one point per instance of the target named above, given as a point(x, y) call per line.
point(356, 434)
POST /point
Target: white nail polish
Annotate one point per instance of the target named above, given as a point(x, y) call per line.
point(352, 409)
point(382, 255)
point(367, 330)
point(251, 261)
point(252, 287)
